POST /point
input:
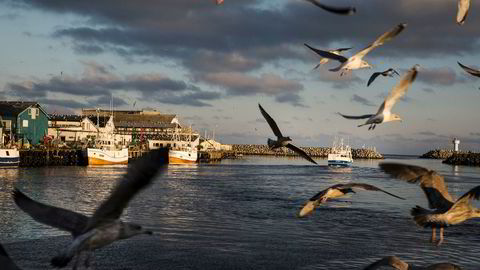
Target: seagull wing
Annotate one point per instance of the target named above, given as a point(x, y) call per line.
point(271, 122)
point(373, 77)
point(474, 72)
point(388, 261)
point(339, 50)
point(466, 199)
point(400, 89)
point(139, 175)
point(59, 218)
point(463, 6)
point(382, 39)
point(300, 152)
point(336, 10)
point(327, 54)
point(432, 184)
point(370, 188)
point(5, 262)
point(356, 117)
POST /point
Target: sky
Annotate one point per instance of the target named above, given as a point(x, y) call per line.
point(212, 64)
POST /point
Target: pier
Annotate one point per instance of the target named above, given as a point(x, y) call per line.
point(50, 157)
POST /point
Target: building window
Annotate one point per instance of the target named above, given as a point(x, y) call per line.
point(25, 123)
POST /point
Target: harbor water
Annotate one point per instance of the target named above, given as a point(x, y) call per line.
point(241, 214)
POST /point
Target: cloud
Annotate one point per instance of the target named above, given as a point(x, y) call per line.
point(98, 83)
point(443, 76)
point(358, 99)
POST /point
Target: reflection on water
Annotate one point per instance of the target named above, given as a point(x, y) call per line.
point(241, 214)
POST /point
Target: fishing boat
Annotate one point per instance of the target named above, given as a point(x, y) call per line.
point(9, 157)
point(340, 155)
point(181, 151)
point(105, 151)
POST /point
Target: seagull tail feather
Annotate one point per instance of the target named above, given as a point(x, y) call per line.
point(271, 143)
point(422, 216)
point(61, 260)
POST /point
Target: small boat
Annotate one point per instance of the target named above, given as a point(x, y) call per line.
point(340, 155)
point(9, 157)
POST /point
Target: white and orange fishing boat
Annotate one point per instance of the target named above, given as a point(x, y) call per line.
point(181, 151)
point(106, 152)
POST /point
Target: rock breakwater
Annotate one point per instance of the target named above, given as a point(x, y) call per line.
point(438, 154)
point(468, 159)
point(257, 149)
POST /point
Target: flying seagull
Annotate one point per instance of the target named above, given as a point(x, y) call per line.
point(444, 210)
point(356, 61)
point(281, 140)
point(398, 264)
point(463, 6)
point(336, 10)
point(6, 262)
point(389, 72)
point(474, 72)
point(384, 113)
point(104, 226)
point(325, 60)
point(336, 191)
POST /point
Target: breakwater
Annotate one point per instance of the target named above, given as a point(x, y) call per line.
point(468, 159)
point(438, 154)
point(257, 149)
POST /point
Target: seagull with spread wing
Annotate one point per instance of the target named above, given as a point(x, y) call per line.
point(104, 226)
point(471, 71)
point(356, 61)
point(281, 140)
point(384, 113)
point(336, 10)
point(398, 264)
point(336, 191)
point(6, 262)
point(463, 6)
point(445, 210)
point(389, 72)
point(324, 60)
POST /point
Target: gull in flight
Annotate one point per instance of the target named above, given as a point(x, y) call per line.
point(471, 71)
point(445, 210)
point(389, 72)
point(356, 61)
point(336, 191)
point(398, 264)
point(324, 60)
point(281, 140)
point(384, 113)
point(336, 10)
point(104, 226)
point(463, 6)
point(5, 262)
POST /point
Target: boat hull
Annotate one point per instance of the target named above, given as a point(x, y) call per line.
point(9, 158)
point(182, 157)
point(106, 157)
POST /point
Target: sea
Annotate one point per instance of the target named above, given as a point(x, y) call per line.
point(241, 214)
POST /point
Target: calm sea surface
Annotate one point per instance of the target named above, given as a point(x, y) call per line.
point(240, 214)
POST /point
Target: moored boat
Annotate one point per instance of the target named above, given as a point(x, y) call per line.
point(9, 157)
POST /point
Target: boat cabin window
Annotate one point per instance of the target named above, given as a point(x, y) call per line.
point(161, 145)
point(8, 154)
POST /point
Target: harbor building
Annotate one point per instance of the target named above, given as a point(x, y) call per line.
point(24, 120)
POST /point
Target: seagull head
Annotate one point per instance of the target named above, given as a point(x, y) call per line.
point(132, 229)
point(307, 209)
point(365, 64)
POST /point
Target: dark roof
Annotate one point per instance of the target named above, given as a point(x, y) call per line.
point(13, 108)
point(144, 121)
point(65, 117)
point(102, 120)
